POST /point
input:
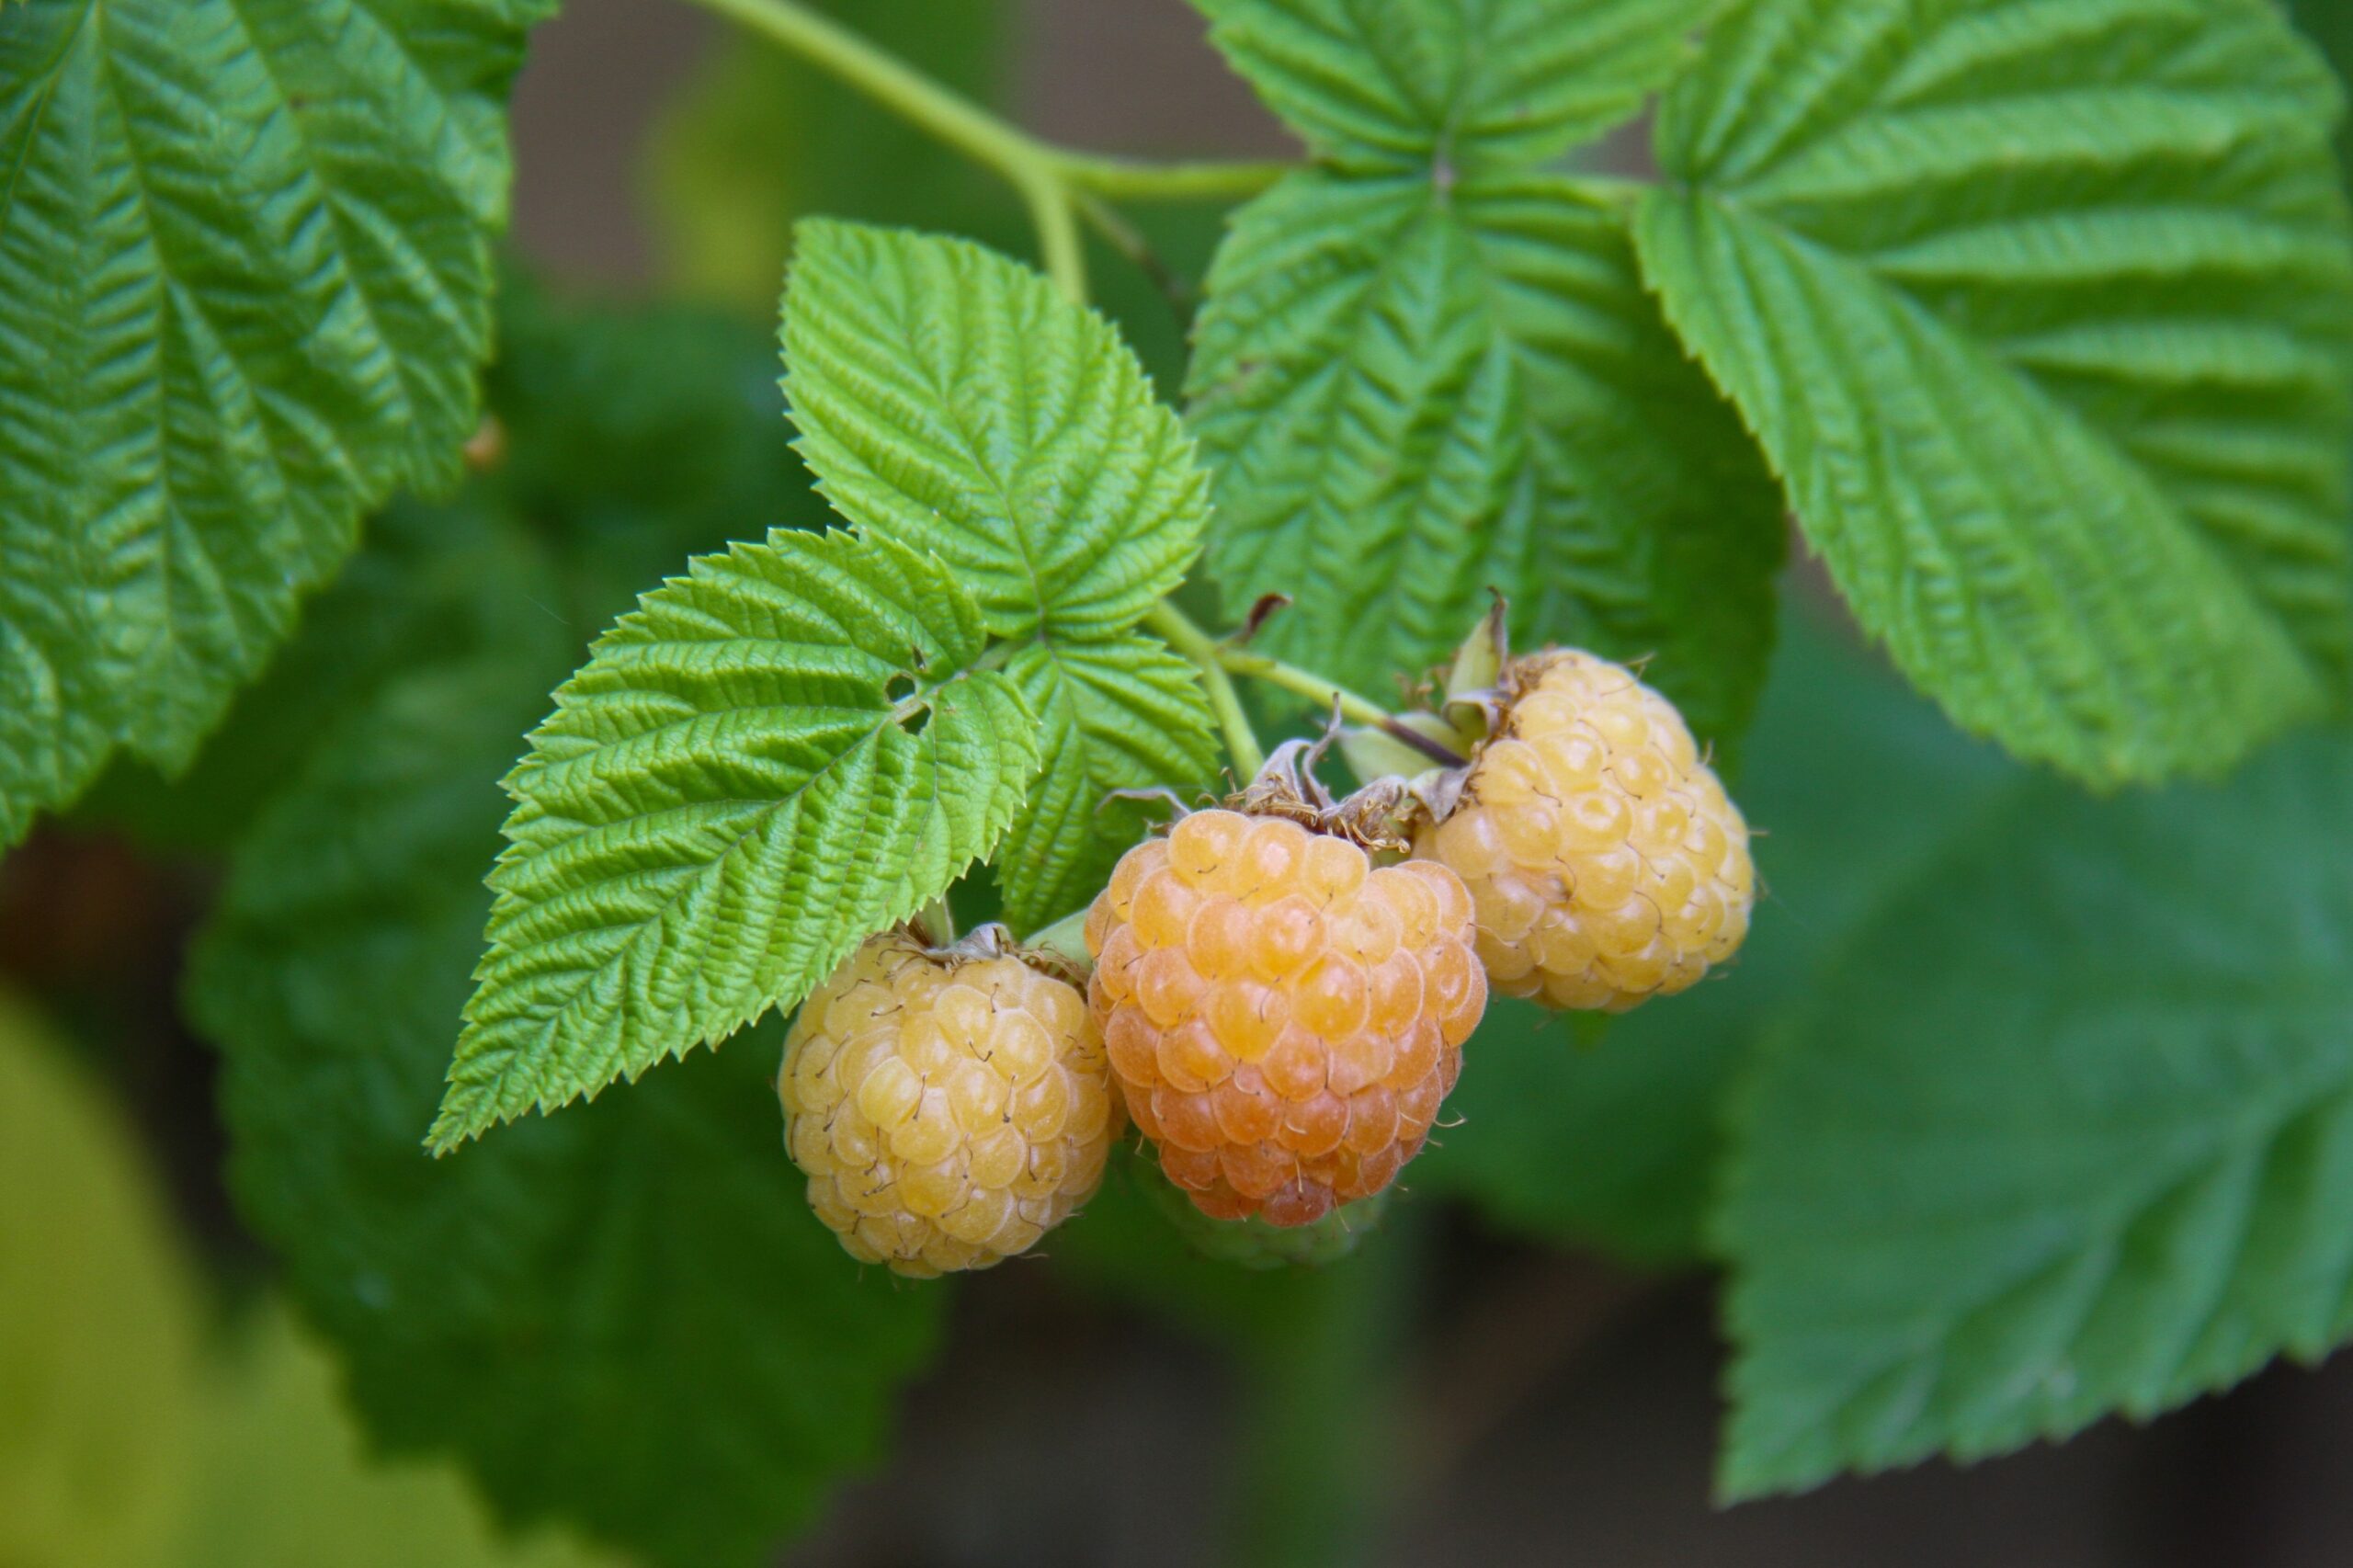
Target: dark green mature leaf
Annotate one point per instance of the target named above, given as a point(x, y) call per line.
point(2041, 314)
point(1854, 783)
point(2330, 25)
point(244, 284)
point(652, 434)
point(641, 1275)
point(2070, 1131)
point(950, 398)
point(1414, 84)
point(1414, 394)
point(1123, 714)
point(774, 756)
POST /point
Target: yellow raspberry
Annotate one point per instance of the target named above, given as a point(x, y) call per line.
point(948, 1109)
point(1283, 1018)
point(1606, 862)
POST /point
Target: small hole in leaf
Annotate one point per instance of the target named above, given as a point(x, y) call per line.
point(898, 689)
point(914, 722)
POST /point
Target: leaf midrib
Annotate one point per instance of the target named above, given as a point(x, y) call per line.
point(536, 1043)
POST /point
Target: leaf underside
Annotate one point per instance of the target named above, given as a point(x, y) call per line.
point(2041, 312)
point(244, 285)
point(2069, 1132)
point(1854, 783)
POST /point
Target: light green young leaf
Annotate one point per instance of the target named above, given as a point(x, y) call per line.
point(1125, 714)
point(642, 1274)
point(953, 400)
point(2041, 313)
point(2069, 1132)
point(99, 1326)
point(1414, 394)
point(774, 756)
point(244, 284)
point(1422, 84)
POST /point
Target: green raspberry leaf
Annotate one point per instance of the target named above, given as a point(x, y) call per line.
point(2041, 313)
point(783, 751)
point(1125, 714)
point(953, 400)
point(2330, 26)
point(245, 280)
point(652, 435)
point(643, 1274)
point(1413, 394)
point(1412, 84)
point(2069, 1131)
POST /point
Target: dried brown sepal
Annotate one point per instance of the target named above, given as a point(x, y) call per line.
point(1287, 787)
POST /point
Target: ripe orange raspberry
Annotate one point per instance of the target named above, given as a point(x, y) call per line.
point(1606, 862)
point(1282, 1018)
point(950, 1108)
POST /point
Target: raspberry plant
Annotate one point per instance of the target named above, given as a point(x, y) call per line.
point(2027, 1102)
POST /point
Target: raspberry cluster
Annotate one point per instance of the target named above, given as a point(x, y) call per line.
point(1605, 862)
point(948, 1108)
point(1282, 1018)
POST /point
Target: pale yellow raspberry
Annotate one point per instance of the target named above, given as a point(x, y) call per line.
point(1605, 862)
point(949, 1110)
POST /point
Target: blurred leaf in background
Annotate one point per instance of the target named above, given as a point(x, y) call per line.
point(629, 1306)
point(99, 1324)
point(2066, 1129)
point(1320, 1352)
point(756, 140)
point(285, 1479)
point(1850, 780)
point(2329, 23)
point(126, 1439)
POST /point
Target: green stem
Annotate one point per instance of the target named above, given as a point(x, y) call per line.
point(955, 119)
point(1307, 683)
point(1190, 640)
point(1051, 211)
point(1048, 179)
point(1320, 1448)
point(1126, 179)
